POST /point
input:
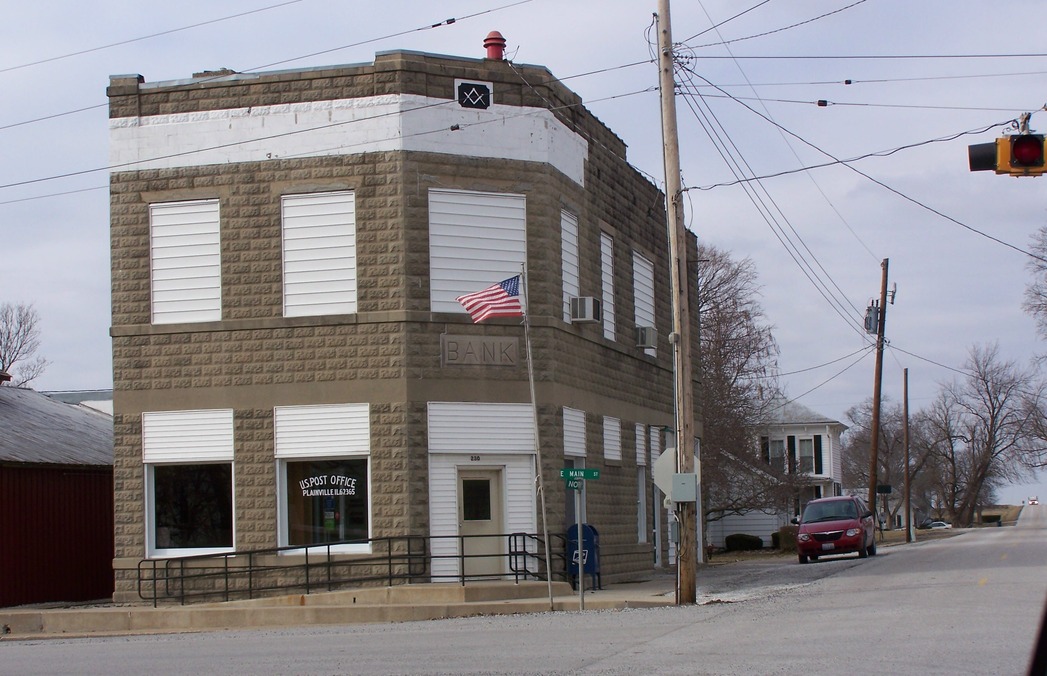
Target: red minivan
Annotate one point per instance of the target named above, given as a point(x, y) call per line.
point(840, 525)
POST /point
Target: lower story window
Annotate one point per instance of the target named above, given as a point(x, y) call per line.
point(192, 506)
point(327, 501)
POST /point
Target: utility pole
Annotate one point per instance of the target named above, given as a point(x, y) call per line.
point(881, 324)
point(908, 489)
point(686, 511)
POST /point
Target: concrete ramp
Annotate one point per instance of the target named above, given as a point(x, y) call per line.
point(402, 603)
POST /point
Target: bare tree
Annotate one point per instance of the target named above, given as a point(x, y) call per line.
point(19, 342)
point(1036, 291)
point(988, 430)
point(891, 453)
point(737, 372)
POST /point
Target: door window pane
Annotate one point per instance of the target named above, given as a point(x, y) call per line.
point(476, 499)
point(327, 501)
point(193, 505)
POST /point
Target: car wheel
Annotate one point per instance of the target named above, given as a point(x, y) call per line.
point(863, 551)
point(803, 558)
point(872, 548)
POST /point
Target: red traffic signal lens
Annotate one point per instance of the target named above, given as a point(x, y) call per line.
point(1027, 150)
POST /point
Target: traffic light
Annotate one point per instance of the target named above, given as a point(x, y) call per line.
point(1015, 155)
point(1026, 154)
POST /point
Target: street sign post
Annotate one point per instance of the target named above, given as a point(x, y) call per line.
point(579, 473)
point(574, 479)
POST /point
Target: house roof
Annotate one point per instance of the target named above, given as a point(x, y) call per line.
point(792, 413)
point(36, 429)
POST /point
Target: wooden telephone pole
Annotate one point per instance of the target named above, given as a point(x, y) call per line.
point(881, 324)
point(687, 512)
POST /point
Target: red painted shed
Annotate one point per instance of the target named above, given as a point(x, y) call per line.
point(56, 500)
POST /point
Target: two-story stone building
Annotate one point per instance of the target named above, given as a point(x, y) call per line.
point(291, 366)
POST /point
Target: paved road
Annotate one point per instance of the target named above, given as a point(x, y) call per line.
point(965, 605)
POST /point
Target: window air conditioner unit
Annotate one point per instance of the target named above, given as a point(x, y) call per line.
point(585, 309)
point(646, 337)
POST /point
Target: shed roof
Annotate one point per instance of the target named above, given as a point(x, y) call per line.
point(36, 429)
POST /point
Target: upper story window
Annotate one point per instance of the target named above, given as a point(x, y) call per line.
point(185, 262)
point(569, 260)
point(319, 253)
point(607, 284)
point(794, 453)
point(612, 438)
point(475, 239)
point(774, 452)
point(805, 448)
point(573, 432)
point(643, 294)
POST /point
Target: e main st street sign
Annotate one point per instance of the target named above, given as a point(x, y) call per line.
point(574, 476)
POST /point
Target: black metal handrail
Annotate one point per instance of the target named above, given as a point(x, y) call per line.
point(247, 574)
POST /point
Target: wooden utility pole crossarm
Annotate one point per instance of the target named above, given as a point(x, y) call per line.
point(687, 568)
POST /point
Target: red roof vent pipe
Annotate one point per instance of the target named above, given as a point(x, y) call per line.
point(494, 43)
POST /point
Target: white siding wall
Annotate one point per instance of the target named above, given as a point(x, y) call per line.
point(185, 262)
point(643, 293)
point(474, 427)
point(573, 432)
point(476, 239)
point(443, 510)
point(607, 284)
point(502, 435)
point(319, 253)
point(385, 123)
point(569, 260)
point(750, 523)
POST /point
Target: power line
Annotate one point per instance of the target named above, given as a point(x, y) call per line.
point(825, 103)
point(865, 348)
point(850, 81)
point(798, 257)
point(197, 81)
point(877, 153)
point(777, 30)
point(146, 37)
point(760, 202)
point(897, 192)
point(715, 26)
point(826, 381)
point(874, 57)
point(809, 175)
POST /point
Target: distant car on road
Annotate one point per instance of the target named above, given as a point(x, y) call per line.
point(938, 525)
point(1033, 500)
point(840, 525)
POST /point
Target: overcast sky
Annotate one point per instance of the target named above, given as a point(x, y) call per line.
point(757, 94)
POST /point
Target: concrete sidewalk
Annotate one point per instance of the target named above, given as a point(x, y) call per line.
point(401, 603)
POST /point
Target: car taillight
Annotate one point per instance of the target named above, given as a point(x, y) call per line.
point(803, 537)
point(851, 532)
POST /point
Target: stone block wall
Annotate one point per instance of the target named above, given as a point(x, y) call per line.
point(388, 353)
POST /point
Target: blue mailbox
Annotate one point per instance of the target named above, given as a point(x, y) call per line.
point(590, 554)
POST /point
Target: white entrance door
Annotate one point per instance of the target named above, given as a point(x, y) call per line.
point(481, 521)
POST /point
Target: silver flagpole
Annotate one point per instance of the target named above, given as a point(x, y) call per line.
point(537, 444)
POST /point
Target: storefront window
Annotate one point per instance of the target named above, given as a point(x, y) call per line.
point(193, 506)
point(327, 501)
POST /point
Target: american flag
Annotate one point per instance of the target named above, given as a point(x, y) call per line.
point(498, 300)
